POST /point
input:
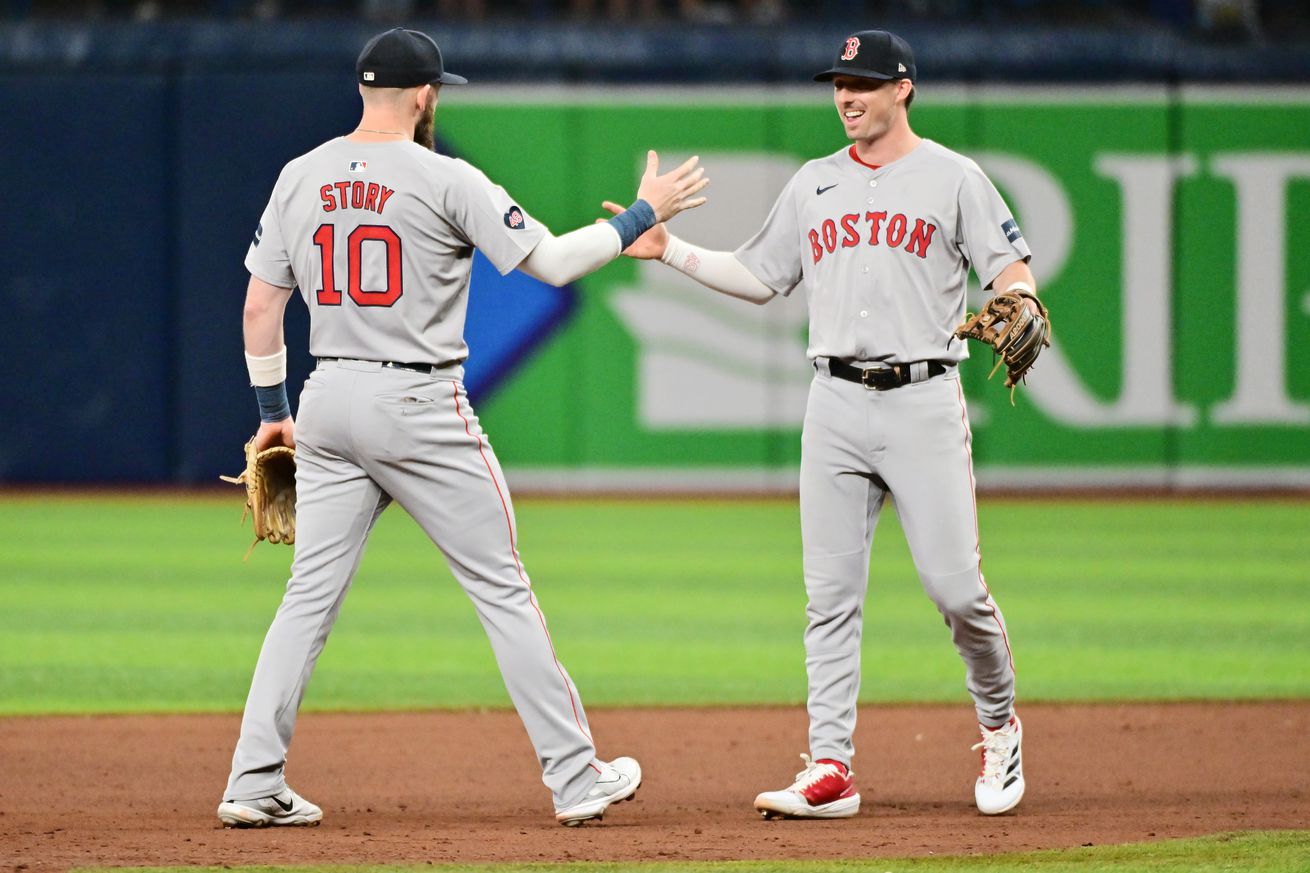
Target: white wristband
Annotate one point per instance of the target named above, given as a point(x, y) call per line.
point(269, 370)
point(1022, 288)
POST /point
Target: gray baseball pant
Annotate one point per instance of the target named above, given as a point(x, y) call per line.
point(857, 447)
point(367, 435)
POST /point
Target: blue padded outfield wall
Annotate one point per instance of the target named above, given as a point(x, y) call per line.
point(132, 202)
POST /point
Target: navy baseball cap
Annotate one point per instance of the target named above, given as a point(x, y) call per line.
point(872, 54)
point(403, 58)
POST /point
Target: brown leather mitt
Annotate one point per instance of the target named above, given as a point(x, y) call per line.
point(270, 480)
point(1016, 335)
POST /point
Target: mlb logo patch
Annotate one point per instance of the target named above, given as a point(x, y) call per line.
point(514, 218)
point(358, 166)
point(1011, 230)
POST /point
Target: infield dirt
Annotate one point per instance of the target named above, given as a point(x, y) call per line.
point(443, 787)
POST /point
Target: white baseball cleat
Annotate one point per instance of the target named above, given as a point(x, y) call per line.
point(284, 808)
point(824, 789)
point(1000, 781)
point(618, 781)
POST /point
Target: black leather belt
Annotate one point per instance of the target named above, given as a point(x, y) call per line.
point(431, 369)
point(883, 378)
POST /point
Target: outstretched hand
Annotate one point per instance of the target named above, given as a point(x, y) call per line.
point(672, 192)
point(667, 195)
point(650, 245)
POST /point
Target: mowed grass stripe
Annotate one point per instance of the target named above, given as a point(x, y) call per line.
point(142, 604)
point(1253, 852)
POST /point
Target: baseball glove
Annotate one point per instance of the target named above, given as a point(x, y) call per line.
point(270, 480)
point(1016, 335)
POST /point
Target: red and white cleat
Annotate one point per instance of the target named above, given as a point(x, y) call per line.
point(824, 789)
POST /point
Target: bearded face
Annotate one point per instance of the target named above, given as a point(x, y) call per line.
point(423, 128)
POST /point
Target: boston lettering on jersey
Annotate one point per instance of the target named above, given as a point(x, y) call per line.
point(355, 195)
point(827, 238)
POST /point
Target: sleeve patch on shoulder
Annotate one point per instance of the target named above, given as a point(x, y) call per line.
point(1011, 230)
point(514, 218)
point(259, 234)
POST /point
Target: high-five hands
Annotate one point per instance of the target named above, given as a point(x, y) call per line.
point(668, 195)
point(650, 245)
point(672, 192)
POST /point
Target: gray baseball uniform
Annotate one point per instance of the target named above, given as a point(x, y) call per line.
point(884, 255)
point(379, 237)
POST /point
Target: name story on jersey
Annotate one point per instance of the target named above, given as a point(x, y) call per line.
point(355, 195)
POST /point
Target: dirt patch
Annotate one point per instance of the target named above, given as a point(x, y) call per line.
point(443, 787)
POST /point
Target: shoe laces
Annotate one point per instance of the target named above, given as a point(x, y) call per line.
point(996, 746)
point(813, 773)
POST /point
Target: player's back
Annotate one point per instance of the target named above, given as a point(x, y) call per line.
point(377, 237)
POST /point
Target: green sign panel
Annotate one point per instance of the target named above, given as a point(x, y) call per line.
point(1171, 240)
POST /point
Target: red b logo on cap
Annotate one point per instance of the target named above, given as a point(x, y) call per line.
point(852, 47)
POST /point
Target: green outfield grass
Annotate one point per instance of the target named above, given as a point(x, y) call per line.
point(1254, 852)
point(142, 603)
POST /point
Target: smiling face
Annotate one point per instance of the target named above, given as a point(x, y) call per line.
point(869, 107)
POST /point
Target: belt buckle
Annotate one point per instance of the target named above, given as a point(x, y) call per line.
point(882, 378)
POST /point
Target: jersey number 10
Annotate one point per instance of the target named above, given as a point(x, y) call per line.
point(329, 294)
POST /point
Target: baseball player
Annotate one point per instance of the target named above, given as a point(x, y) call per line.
point(377, 231)
point(882, 235)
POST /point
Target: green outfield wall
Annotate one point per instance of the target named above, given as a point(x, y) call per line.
point(1171, 239)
